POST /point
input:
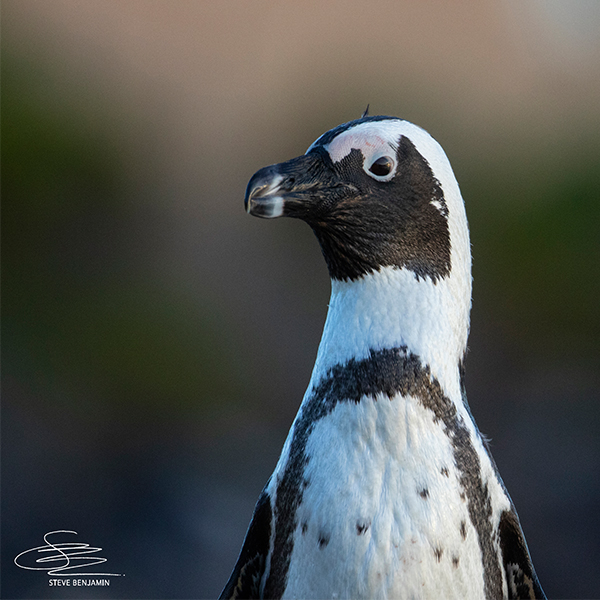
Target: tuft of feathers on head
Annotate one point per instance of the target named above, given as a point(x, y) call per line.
point(366, 113)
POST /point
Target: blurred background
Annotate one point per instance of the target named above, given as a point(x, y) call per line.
point(157, 341)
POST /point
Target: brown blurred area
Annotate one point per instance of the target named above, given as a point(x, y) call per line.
point(157, 341)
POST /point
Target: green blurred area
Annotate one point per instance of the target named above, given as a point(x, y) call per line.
point(79, 310)
point(535, 229)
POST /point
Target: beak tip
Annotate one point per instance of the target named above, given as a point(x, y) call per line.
point(263, 197)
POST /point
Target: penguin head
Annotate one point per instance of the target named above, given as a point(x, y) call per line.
point(377, 192)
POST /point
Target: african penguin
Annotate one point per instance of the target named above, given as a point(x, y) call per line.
point(385, 488)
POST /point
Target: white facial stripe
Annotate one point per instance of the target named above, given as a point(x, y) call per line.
point(359, 138)
point(381, 137)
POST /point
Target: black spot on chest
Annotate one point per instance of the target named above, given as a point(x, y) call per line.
point(463, 530)
point(362, 526)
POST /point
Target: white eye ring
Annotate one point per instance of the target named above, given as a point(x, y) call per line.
point(382, 168)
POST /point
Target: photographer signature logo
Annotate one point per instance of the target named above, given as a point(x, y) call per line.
point(62, 558)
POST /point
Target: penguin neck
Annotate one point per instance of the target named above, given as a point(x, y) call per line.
point(391, 308)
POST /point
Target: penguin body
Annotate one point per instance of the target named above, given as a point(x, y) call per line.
point(385, 487)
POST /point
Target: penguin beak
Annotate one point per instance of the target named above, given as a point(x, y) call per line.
point(289, 189)
point(265, 193)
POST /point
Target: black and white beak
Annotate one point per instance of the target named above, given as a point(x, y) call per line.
point(265, 193)
point(296, 188)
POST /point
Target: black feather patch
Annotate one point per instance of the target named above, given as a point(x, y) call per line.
point(250, 567)
point(520, 574)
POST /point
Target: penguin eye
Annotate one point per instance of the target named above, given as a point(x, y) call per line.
point(382, 166)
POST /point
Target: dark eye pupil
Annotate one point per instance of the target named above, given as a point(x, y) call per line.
point(382, 166)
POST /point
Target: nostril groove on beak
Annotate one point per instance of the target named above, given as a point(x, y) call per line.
point(259, 191)
point(287, 184)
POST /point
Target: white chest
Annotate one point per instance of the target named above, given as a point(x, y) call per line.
point(383, 514)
